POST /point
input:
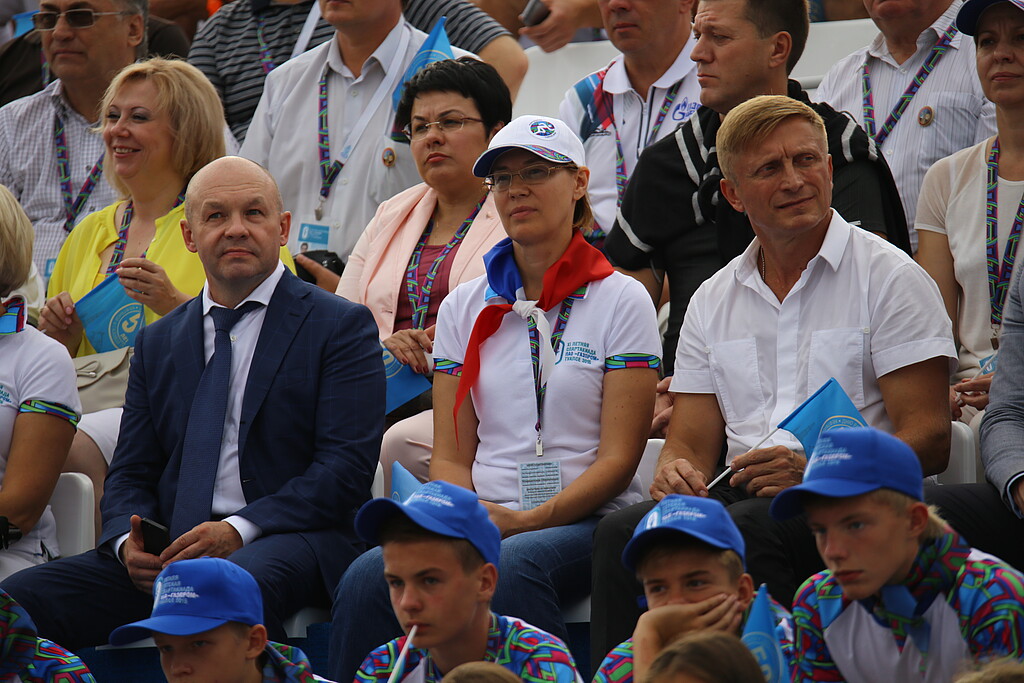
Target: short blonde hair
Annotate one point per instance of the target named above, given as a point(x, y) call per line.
point(901, 502)
point(752, 122)
point(192, 105)
point(480, 672)
point(15, 243)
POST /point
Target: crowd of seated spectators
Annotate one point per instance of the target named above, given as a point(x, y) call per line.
point(224, 229)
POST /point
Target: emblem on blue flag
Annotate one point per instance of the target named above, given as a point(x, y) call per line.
point(434, 49)
point(827, 408)
point(760, 638)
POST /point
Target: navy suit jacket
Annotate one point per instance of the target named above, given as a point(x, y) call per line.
point(310, 429)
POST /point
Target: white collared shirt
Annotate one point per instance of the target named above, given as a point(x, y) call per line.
point(283, 137)
point(227, 491)
point(861, 309)
point(951, 102)
point(635, 116)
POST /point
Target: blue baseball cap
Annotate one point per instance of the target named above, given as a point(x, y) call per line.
point(851, 462)
point(193, 596)
point(547, 137)
point(704, 519)
point(442, 508)
point(971, 11)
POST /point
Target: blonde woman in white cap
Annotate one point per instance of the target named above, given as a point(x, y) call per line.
point(549, 362)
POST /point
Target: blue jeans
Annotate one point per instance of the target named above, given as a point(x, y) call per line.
point(539, 572)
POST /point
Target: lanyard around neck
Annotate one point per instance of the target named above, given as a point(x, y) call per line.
point(540, 383)
point(419, 294)
point(937, 51)
point(998, 273)
point(122, 234)
point(329, 170)
point(72, 206)
point(301, 44)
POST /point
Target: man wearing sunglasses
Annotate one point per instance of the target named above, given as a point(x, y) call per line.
point(50, 157)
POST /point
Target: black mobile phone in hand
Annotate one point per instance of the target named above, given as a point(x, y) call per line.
point(534, 13)
point(155, 537)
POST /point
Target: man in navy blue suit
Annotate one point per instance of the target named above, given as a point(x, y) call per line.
point(264, 464)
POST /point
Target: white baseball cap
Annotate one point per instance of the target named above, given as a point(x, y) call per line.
point(546, 137)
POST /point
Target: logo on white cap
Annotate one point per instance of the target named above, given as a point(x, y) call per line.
point(543, 129)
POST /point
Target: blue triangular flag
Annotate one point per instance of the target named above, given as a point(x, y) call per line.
point(402, 383)
point(403, 484)
point(435, 48)
point(827, 408)
point(760, 637)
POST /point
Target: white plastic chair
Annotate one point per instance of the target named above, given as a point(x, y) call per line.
point(962, 468)
point(828, 42)
point(73, 505)
point(552, 73)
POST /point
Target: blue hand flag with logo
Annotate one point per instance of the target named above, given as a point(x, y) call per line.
point(403, 483)
point(403, 385)
point(827, 408)
point(761, 638)
point(435, 48)
point(110, 317)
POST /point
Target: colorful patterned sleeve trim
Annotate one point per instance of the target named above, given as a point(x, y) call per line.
point(632, 360)
point(449, 367)
point(55, 409)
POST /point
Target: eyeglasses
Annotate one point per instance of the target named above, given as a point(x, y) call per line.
point(76, 18)
point(449, 124)
point(531, 175)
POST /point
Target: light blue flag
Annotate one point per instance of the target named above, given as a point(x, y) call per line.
point(827, 408)
point(403, 484)
point(760, 637)
point(403, 385)
point(110, 317)
point(434, 49)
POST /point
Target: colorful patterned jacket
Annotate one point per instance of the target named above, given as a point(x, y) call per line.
point(956, 604)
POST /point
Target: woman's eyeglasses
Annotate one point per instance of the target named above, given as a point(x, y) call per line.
point(531, 175)
point(76, 18)
point(449, 124)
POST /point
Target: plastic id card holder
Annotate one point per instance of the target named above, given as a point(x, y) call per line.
point(539, 480)
point(312, 236)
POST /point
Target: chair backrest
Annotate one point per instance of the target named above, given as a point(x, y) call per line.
point(74, 510)
point(648, 465)
point(962, 467)
point(552, 73)
point(827, 43)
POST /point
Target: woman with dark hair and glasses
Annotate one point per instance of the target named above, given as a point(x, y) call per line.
point(426, 240)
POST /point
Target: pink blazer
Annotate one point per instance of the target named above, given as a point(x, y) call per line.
point(375, 273)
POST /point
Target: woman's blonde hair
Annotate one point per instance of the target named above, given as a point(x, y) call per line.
point(191, 104)
point(15, 243)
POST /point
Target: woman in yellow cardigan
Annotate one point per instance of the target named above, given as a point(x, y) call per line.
point(161, 122)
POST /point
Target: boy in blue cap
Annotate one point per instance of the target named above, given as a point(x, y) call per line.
point(689, 557)
point(206, 624)
point(903, 598)
point(440, 561)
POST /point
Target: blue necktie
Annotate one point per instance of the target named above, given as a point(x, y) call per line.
point(200, 456)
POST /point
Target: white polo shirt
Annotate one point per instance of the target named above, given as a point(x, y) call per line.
point(283, 137)
point(615, 318)
point(37, 375)
point(947, 114)
point(861, 309)
point(635, 116)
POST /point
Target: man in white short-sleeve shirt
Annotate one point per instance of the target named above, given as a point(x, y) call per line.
point(811, 298)
point(948, 113)
point(640, 97)
point(360, 69)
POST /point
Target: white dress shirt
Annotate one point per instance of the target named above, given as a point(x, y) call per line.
point(960, 116)
point(861, 309)
point(635, 116)
point(283, 137)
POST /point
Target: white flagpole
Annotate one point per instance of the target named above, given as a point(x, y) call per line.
point(728, 471)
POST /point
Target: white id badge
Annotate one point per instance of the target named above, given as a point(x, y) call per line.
point(313, 236)
point(539, 480)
